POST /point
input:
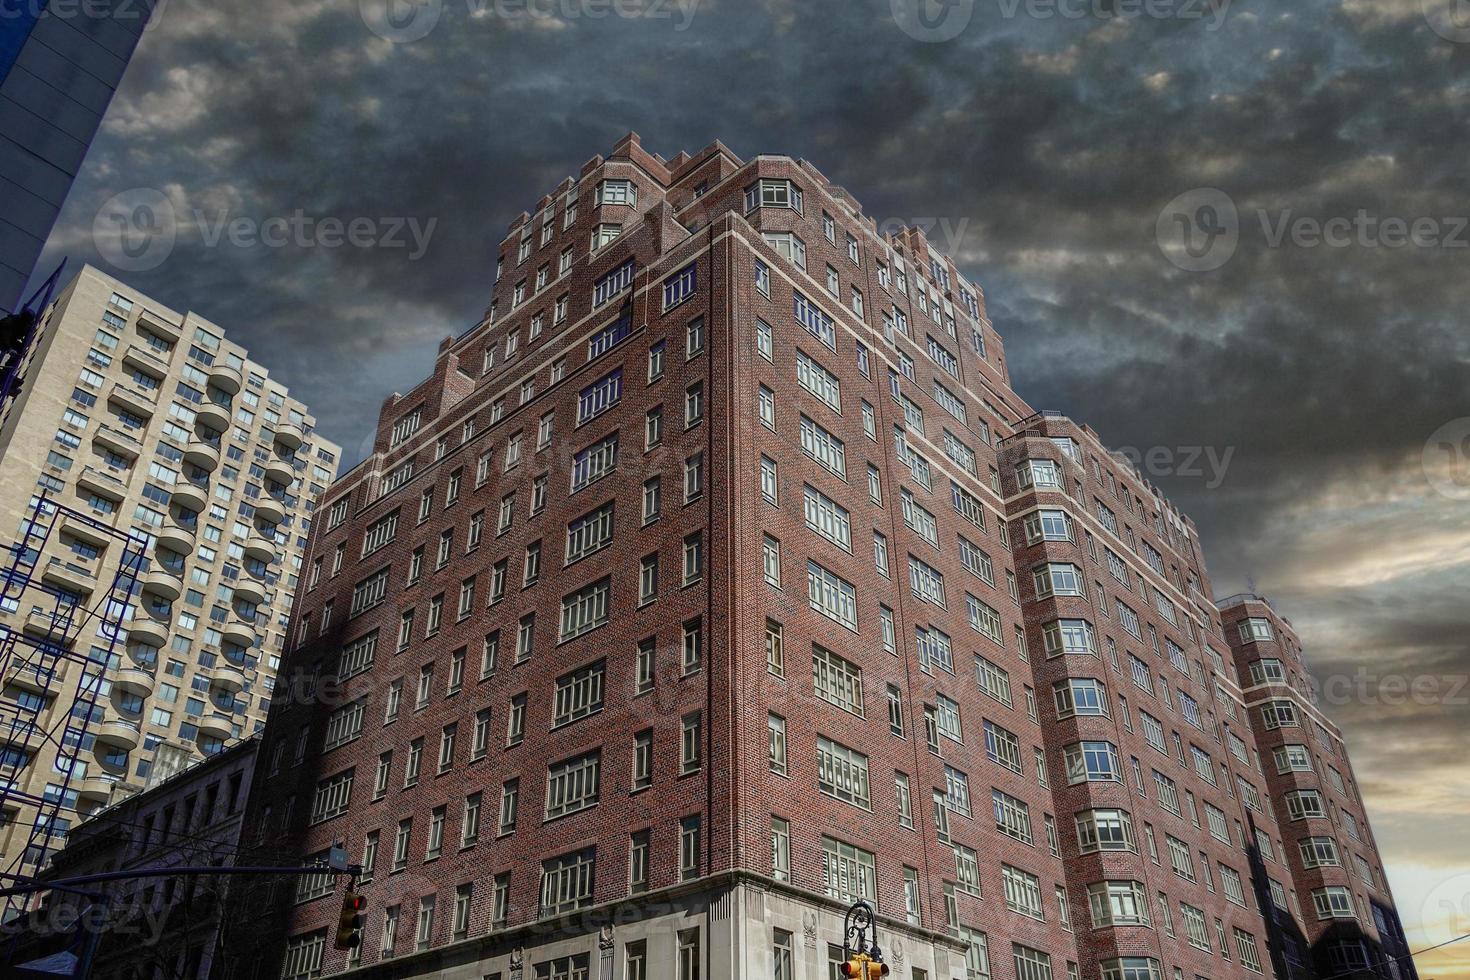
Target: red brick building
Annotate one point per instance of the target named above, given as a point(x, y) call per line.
point(1340, 890)
point(718, 579)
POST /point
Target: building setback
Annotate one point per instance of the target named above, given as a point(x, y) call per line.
point(718, 579)
point(1340, 890)
point(156, 423)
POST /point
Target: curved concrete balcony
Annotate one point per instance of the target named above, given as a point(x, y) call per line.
point(217, 725)
point(143, 655)
point(228, 678)
point(260, 548)
point(289, 436)
point(249, 589)
point(190, 496)
point(238, 631)
point(269, 509)
point(163, 583)
point(114, 731)
point(148, 631)
point(133, 680)
point(216, 417)
point(94, 789)
point(174, 537)
point(117, 441)
point(202, 455)
point(280, 471)
point(132, 399)
point(224, 377)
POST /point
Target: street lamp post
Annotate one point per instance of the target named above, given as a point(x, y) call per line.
point(861, 959)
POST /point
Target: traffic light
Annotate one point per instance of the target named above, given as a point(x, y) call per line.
point(349, 924)
point(864, 967)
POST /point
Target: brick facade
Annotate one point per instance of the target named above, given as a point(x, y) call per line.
point(898, 567)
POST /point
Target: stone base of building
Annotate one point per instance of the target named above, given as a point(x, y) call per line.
point(730, 927)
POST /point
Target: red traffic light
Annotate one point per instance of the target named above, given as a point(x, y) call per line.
point(853, 970)
point(349, 922)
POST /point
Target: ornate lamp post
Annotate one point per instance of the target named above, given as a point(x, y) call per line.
point(862, 960)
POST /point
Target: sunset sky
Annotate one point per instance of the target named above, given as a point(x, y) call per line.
point(1324, 385)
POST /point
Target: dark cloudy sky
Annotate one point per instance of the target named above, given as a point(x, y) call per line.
point(1045, 139)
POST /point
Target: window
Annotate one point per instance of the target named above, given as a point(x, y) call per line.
point(694, 477)
point(816, 322)
point(1057, 578)
point(693, 557)
point(1302, 804)
point(579, 693)
point(679, 287)
point(1255, 628)
point(615, 281)
point(585, 609)
point(648, 579)
point(819, 381)
point(639, 844)
point(566, 884)
point(693, 404)
point(693, 647)
point(827, 517)
point(1080, 696)
point(1132, 968)
point(773, 193)
point(1333, 902)
point(691, 743)
point(303, 958)
point(600, 396)
point(1031, 964)
point(589, 533)
point(850, 872)
point(1245, 946)
point(1118, 903)
point(643, 760)
point(1022, 891)
point(832, 596)
point(780, 849)
point(1092, 761)
point(332, 797)
point(842, 773)
point(837, 681)
point(1002, 747)
point(771, 560)
point(1105, 830)
point(1012, 816)
point(573, 785)
point(776, 726)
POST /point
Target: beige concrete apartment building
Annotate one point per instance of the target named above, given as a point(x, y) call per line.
point(155, 423)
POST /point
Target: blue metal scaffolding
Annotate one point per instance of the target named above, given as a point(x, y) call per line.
point(38, 654)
